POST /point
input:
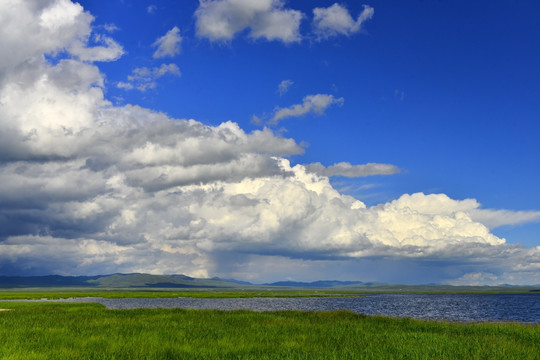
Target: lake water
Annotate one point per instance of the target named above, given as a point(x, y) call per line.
point(454, 307)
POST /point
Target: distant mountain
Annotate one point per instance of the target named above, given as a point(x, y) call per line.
point(45, 281)
point(159, 281)
point(115, 281)
point(148, 281)
point(137, 280)
point(233, 281)
point(319, 284)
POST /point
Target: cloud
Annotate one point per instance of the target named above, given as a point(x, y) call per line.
point(151, 9)
point(476, 279)
point(336, 20)
point(283, 86)
point(34, 28)
point(435, 204)
point(495, 218)
point(348, 170)
point(144, 78)
point(221, 20)
point(110, 28)
point(310, 104)
point(109, 51)
point(87, 187)
point(168, 44)
point(522, 267)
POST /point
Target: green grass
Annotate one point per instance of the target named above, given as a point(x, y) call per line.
point(48, 293)
point(89, 331)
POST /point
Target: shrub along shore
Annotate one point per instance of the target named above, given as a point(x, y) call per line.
point(90, 331)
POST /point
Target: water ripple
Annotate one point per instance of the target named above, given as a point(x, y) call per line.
point(455, 307)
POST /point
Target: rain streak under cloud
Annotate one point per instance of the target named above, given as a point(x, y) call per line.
point(90, 187)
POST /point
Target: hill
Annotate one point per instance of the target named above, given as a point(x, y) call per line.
point(148, 281)
point(115, 281)
point(317, 284)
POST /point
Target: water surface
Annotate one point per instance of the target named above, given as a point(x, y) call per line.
point(455, 307)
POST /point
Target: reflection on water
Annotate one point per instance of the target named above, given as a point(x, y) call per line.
point(456, 307)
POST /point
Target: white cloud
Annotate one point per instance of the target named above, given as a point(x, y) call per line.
point(30, 29)
point(87, 187)
point(110, 28)
point(168, 44)
point(284, 86)
point(33, 28)
point(476, 279)
point(494, 218)
point(437, 203)
point(124, 85)
point(144, 78)
point(256, 120)
point(310, 104)
point(521, 267)
point(151, 9)
point(221, 20)
point(109, 51)
point(348, 170)
point(336, 20)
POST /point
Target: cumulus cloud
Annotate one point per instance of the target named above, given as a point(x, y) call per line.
point(316, 104)
point(221, 20)
point(491, 218)
point(168, 44)
point(284, 86)
point(34, 28)
point(494, 218)
point(144, 78)
point(521, 267)
point(91, 188)
point(336, 20)
point(348, 170)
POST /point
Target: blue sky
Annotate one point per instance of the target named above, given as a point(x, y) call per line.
point(448, 92)
point(429, 109)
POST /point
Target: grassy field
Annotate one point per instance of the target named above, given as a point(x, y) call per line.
point(89, 331)
point(51, 293)
point(115, 293)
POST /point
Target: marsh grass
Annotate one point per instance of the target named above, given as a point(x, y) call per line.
point(206, 293)
point(89, 331)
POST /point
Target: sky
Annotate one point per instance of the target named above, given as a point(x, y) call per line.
point(392, 141)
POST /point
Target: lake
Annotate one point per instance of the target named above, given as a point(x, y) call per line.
point(455, 307)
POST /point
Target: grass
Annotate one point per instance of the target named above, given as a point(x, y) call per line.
point(72, 292)
point(48, 293)
point(89, 331)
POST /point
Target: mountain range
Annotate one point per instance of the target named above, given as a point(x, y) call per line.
point(148, 281)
